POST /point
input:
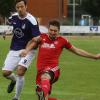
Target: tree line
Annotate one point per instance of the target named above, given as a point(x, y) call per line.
point(90, 6)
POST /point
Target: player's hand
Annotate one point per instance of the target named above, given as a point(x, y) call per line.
point(97, 56)
point(23, 53)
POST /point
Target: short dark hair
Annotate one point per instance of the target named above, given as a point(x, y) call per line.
point(55, 23)
point(17, 1)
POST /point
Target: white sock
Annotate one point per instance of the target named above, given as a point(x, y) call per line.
point(12, 77)
point(19, 86)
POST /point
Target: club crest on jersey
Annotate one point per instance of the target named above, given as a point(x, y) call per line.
point(46, 45)
point(18, 32)
point(23, 26)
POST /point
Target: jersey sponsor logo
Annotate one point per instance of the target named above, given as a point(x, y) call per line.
point(18, 32)
point(46, 45)
point(93, 28)
point(56, 42)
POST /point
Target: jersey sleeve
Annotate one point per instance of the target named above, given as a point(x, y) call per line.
point(67, 44)
point(35, 31)
point(34, 25)
point(10, 20)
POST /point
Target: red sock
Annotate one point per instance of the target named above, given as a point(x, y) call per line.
point(52, 99)
point(45, 84)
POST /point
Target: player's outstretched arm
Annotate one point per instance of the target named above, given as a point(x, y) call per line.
point(84, 53)
point(32, 44)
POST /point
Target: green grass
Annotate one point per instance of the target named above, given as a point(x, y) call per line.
point(79, 80)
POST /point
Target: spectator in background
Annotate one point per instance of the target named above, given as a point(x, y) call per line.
point(4, 35)
point(82, 22)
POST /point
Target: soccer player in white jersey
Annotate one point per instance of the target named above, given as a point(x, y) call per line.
point(25, 27)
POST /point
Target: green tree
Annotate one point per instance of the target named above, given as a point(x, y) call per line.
point(6, 6)
point(92, 7)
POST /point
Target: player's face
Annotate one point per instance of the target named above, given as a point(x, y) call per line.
point(53, 31)
point(21, 8)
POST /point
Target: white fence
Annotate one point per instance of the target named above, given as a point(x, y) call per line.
point(5, 29)
point(80, 29)
point(8, 29)
point(63, 29)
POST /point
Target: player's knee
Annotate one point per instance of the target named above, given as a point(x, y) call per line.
point(21, 71)
point(45, 76)
point(6, 73)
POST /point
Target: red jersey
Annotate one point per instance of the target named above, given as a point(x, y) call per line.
point(50, 50)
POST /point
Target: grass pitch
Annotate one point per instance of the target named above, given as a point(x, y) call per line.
point(79, 80)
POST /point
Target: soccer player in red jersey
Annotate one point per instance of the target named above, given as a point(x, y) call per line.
point(50, 47)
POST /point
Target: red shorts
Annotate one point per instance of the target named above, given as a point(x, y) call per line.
point(56, 74)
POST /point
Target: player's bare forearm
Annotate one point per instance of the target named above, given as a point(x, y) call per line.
point(84, 53)
point(29, 42)
point(31, 46)
point(34, 41)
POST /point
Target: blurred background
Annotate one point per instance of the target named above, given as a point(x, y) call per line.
point(70, 12)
